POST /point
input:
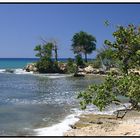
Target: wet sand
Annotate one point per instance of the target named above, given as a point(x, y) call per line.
point(106, 125)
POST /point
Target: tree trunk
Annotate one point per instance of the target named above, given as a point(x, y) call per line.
point(85, 57)
point(125, 67)
point(56, 59)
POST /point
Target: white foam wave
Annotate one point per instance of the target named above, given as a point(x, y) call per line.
point(64, 126)
point(2, 70)
point(15, 71)
point(54, 75)
point(21, 71)
point(60, 128)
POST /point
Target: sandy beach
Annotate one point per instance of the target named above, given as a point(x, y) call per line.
point(106, 125)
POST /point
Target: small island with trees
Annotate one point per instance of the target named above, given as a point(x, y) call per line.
point(118, 61)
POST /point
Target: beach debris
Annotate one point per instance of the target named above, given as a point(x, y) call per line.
point(72, 126)
point(98, 122)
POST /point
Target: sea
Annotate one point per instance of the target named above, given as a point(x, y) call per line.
point(40, 104)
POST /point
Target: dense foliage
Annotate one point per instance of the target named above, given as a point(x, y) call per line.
point(83, 42)
point(79, 61)
point(45, 63)
point(126, 46)
point(106, 93)
point(126, 49)
point(71, 67)
point(107, 54)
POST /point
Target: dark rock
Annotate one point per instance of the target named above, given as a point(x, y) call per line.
point(9, 70)
point(72, 126)
point(78, 75)
point(98, 122)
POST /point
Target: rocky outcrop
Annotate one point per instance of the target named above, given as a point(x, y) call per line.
point(31, 67)
point(101, 71)
point(62, 67)
point(134, 71)
point(91, 70)
point(114, 71)
point(88, 69)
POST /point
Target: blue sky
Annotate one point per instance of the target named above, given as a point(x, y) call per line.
point(23, 25)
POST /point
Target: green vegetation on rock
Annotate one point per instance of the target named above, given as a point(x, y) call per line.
point(45, 63)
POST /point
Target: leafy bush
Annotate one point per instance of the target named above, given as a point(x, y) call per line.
point(94, 63)
point(104, 94)
point(126, 46)
point(79, 60)
point(126, 52)
point(71, 67)
point(44, 65)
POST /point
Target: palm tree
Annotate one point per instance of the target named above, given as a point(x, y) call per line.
point(44, 50)
point(54, 48)
point(47, 50)
point(39, 49)
point(83, 43)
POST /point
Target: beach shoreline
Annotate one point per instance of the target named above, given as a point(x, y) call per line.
point(106, 125)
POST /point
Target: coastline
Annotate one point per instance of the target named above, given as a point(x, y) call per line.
point(22, 71)
point(112, 127)
point(70, 122)
point(106, 125)
point(59, 128)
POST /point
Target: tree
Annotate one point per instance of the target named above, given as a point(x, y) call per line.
point(54, 48)
point(107, 56)
point(126, 46)
point(45, 63)
point(44, 50)
point(39, 49)
point(83, 42)
point(127, 50)
point(107, 93)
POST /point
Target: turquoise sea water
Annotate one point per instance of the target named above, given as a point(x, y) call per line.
point(12, 63)
point(7, 63)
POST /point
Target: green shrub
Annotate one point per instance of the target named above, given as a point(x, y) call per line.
point(71, 67)
point(94, 63)
point(104, 94)
point(79, 61)
point(44, 65)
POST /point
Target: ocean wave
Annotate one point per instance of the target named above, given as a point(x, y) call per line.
point(62, 127)
point(54, 75)
point(21, 71)
point(15, 71)
point(2, 70)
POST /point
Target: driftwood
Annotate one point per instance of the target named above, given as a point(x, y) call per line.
point(125, 110)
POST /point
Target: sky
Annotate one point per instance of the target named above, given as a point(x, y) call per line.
point(23, 25)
